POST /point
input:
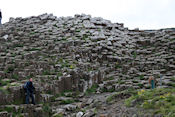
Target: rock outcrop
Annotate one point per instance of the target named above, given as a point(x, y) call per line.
point(75, 53)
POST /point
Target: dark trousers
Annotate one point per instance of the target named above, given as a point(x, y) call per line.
point(29, 94)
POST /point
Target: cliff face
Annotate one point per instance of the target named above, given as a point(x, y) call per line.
point(76, 53)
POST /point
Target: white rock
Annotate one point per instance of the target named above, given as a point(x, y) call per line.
point(109, 43)
point(5, 37)
point(79, 114)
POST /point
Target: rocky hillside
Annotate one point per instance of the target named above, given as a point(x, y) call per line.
point(71, 57)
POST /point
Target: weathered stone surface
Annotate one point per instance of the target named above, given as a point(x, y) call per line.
point(75, 54)
point(4, 114)
point(79, 114)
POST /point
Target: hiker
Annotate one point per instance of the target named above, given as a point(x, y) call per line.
point(152, 81)
point(0, 16)
point(29, 88)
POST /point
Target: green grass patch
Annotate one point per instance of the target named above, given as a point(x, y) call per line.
point(134, 54)
point(118, 66)
point(15, 76)
point(46, 72)
point(9, 69)
point(4, 82)
point(77, 30)
point(120, 81)
point(173, 79)
point(18, 45)
point(91, 90)
point(72, 66)
point(4, 90)
point(140, 85)
point(172, 84)
point(59, 74)
point(65, 63)
point(11, 109)
point(67, 93)
point(108, 90)
point(161, 101)
point(64, 39)
point(141, 77)
point(18, 102)
point(32, 33)
point(172, 39)
point(68, 101)
point(58, 115)
point(46, 108)
point(85, 37)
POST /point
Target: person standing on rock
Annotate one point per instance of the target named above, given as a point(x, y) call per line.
point(152, 81)
point(29, 88)
point(0, 16)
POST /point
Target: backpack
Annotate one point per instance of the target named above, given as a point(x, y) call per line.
point(25, 85)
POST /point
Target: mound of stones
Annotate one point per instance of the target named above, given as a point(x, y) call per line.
point(75, 53)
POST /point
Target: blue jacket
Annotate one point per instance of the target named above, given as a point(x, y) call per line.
point(30, 87)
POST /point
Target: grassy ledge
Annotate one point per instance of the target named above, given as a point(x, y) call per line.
point(157, 101)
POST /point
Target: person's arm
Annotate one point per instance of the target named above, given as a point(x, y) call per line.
point(33, 86)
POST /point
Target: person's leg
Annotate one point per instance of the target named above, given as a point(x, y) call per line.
point(27, 97)
point(33, 99)
point(0, 20)
point(152, 84)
